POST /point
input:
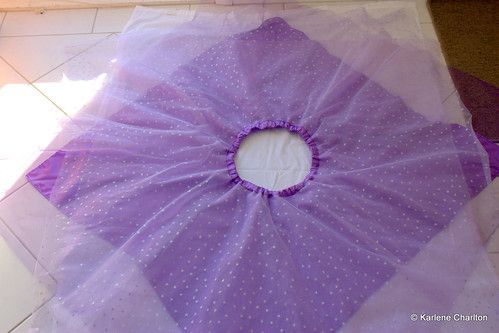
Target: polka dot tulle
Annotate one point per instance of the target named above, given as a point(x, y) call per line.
point(163, 236)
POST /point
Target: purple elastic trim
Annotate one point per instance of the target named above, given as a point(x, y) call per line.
point(266, 124)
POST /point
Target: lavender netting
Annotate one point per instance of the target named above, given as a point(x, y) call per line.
point(165, 236)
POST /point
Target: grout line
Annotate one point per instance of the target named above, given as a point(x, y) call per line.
point(51, 101)
point(30, 314)
point(57, 35)
point(48, 35)
point(18, 239)
point(47, 97)
point(31, 83)
point(446, 98)
point(489, 237)
point(103, 33)
point(95, 19)
point(36, 261)
point(29, 9)
point(15, 190)
point(3, 20)
point(74, 56)
point(33, 86)
point(104, 5)
point(16, 326)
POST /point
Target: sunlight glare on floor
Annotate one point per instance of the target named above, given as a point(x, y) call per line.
point(71, 95)
point(29, 122)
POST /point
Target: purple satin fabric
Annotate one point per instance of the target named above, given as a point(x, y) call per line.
point(492, 150)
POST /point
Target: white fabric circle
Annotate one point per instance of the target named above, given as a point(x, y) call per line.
point(274, 159)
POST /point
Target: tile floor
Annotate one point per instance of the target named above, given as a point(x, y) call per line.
point(44, 59)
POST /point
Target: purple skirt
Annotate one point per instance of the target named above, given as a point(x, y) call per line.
point(164, 236)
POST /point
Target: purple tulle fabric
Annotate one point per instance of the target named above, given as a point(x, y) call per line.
point(157, 183)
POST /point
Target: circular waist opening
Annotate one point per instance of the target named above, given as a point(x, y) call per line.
point(273, 157)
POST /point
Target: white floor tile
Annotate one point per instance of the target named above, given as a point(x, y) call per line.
point(272, 9)
point(424, 13)
point(72, 85)
point(112, 19)
point(37, 4)
point(28, 123)
point(115, 19)
point(333, 4)
point(49, 23)
point(429, 31)
point(249, 2)
point(421, 6)
point(30, 216)
point(273, 6)
point(41, 319)
point(8, 75)
point(17, 247)
point(25, 292)
point(210, 8)
point(50, 51)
